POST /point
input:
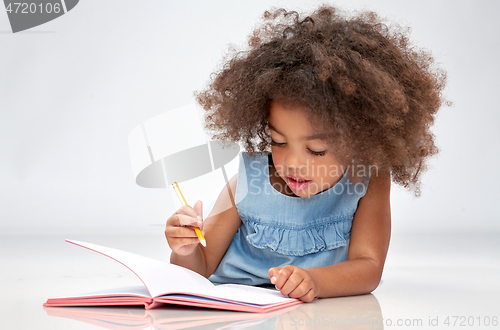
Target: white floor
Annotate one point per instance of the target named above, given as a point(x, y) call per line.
point(433, 281)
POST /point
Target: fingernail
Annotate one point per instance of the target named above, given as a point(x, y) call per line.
point(273, 279)
point(199, 218)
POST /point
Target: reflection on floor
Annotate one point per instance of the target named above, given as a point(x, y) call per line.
point(430, 281)
point(366, 308)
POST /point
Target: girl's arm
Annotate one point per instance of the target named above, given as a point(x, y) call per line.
point(368, 246)
point(219, 228)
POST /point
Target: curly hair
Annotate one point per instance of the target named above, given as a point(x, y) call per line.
point(359, 79)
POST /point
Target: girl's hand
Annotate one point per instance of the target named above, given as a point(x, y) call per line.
point(294, 282)
point(183, 240)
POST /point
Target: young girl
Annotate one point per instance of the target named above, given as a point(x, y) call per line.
point(345, 105)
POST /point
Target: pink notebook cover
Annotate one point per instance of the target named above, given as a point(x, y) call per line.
point(171, 318)
point(166, 283)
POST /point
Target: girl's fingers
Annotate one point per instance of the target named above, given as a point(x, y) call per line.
point(290, 280)
point(178, 219)
point(292, 283)
point(273, 273)
point(303, 292)
point(187, 210)
point(282, 277)
point(198, 208)
point(187, 216)
point(181, 232)
point(186, 220)
point(308, 297)
point(181, 240)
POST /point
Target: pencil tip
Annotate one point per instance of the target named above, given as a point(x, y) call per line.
point(203, 242)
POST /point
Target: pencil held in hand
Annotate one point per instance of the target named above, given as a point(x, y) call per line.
point(183, 201)
point(200, 236)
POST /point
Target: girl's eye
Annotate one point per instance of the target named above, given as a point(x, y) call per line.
point(317, 153)
point(276, 144)
point(312, 152)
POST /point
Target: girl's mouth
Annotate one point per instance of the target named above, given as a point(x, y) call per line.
point(297, 184)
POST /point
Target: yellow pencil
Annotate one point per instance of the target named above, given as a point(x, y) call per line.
point(183, 201)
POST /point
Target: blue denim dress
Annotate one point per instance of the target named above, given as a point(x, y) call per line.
point(278, 230)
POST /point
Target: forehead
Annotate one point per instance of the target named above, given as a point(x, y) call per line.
point(292, 122)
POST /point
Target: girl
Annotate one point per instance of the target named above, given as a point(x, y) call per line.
point(330, 110)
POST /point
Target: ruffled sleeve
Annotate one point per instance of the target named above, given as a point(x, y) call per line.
point(297, 241)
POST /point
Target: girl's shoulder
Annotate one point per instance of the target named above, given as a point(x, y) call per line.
point(232, 184)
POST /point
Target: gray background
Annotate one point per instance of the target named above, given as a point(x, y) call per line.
point(72, 89)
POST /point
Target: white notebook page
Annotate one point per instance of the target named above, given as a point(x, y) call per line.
point(159, 277)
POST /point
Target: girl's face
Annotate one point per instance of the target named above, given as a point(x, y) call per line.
point(301, 157)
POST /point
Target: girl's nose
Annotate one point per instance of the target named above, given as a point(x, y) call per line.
point(293, 161)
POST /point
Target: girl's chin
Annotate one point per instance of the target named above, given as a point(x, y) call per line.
point(303, 192)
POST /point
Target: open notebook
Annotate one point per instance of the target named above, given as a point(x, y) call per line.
point(165, 283)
